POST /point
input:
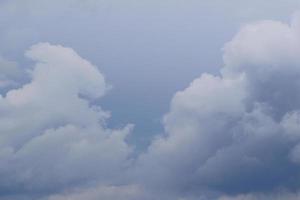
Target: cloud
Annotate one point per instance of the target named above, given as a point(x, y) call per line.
point(127, 192)
point(52, 136)
point(237, 132)
point(259, 196)
point(232, 136)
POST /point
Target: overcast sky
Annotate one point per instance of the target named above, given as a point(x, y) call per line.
point(138, 99)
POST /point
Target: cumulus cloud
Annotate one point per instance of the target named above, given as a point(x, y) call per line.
point(237, 132)
point(233, 136)
point(52, 136)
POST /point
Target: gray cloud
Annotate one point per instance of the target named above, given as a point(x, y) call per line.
point(238, 132)
point(127, 192)
point(260, 196)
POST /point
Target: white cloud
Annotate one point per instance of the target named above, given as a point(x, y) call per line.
point(52, 137)
point(234, 133)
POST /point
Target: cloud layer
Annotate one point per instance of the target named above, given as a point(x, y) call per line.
point(235, 135)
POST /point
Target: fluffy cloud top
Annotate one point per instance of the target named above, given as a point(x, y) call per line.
point(237, 132)
point(52, 137)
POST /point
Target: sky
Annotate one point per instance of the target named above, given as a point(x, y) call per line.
point(127, 100)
